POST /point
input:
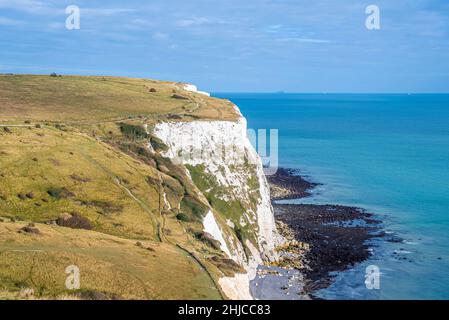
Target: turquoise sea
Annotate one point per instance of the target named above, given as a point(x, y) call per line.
point(387, 153)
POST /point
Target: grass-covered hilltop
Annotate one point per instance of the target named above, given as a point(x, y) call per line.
point(84, 181)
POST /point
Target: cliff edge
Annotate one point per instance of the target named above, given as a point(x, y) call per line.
point(225, 167)
point(151, 189)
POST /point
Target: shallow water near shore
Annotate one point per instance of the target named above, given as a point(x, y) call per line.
point(388, 154)
point(273, 283)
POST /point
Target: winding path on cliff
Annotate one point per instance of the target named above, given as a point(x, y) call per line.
point(159, 228)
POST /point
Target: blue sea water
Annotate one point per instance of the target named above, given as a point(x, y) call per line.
point(383, 152)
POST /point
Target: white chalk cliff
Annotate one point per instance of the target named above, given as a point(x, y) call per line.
point(193, 88)
point(222, 150)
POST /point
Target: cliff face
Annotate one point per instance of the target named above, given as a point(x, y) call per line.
point(89, 181)
point(225, 167)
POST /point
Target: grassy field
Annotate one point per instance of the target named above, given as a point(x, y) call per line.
point(110, 267)
point(91, 177)
point(75, 99)
point(78, 186)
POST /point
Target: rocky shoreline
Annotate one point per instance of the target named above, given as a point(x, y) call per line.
point(287, 184)
point(335, 236)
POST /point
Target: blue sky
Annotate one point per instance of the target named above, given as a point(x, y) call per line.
point(236, 45)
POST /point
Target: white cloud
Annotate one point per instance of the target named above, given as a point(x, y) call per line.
point(304, 40)
point(49, 8)
point(274, 28)
point(198, 21)
point(136, 24)
point(105, 12)
point(29, 6)
point(160, 36)
point(56, 25)
point(9, 22)
point(118, 36)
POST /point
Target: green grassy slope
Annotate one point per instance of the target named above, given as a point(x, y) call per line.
point(75, 169)
point(110, 267)
point(90, 99)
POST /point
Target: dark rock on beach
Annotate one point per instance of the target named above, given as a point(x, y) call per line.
point(337, 235)
point(334, 246)
point(288, 184)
